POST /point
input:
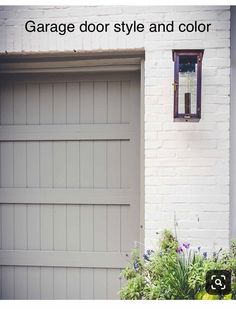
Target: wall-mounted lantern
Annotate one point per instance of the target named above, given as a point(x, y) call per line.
point(187, 84)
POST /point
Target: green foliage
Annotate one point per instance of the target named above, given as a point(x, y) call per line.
point(174, 272)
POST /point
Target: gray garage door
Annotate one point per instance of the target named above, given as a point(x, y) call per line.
point(69, 184)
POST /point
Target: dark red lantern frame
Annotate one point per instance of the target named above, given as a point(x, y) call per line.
point(176, 53)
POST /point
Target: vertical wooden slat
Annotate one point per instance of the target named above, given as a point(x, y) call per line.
point(7, 226)
point(32, 107)
point(46, 180)
point(6, 114)
point(113, 283)
point(114, 102)
point(8, 289)
point(86, 102)
point(34, 227)
point(113, 168)
point(73, 227)
point(72, 164)
point(59, 227)
point(60, 283)
point(100, 163)
point(46, 164)
point(73, 283)
point(46, 227)
point(59, 164)
point(19, 164)
point(34, 283)
point(6, 164)
point(100, 228)
point(125, 101)
point(86, 228)
point(46, 103)
point(72, 97)
point(113, 164)
point(46, 238)
point(86, 284)
point(20, 280)
point(19, 104)
point(33, 164)
point(130, 216)
point(20, 228)
point(100, 102)
point(100, 283)
point(86, 164)
point(127, 234)
point(59, 103)
point(46, 282)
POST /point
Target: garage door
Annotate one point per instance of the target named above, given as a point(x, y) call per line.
point(69, 183)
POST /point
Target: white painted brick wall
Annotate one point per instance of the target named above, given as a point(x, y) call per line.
point(186, 164)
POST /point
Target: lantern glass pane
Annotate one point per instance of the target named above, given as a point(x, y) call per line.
point(187, 84)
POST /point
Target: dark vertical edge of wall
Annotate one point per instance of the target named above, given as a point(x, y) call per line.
point(233, 126)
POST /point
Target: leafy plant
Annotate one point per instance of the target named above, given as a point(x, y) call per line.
point(175, 272)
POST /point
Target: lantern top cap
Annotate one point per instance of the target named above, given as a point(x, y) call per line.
point(186, 52)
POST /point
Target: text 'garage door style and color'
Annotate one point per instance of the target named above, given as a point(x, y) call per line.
point(69, 183)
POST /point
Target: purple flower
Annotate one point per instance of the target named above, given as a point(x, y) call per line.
point(205, 254)
point(146, 257)
point(179, 249)
point(199, 248)
point(136, 266)
point(149, 252)
point(186, 245)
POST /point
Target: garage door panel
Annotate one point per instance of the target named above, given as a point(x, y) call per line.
point(69, 184)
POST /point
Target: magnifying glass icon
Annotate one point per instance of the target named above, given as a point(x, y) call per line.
point(218, 282)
